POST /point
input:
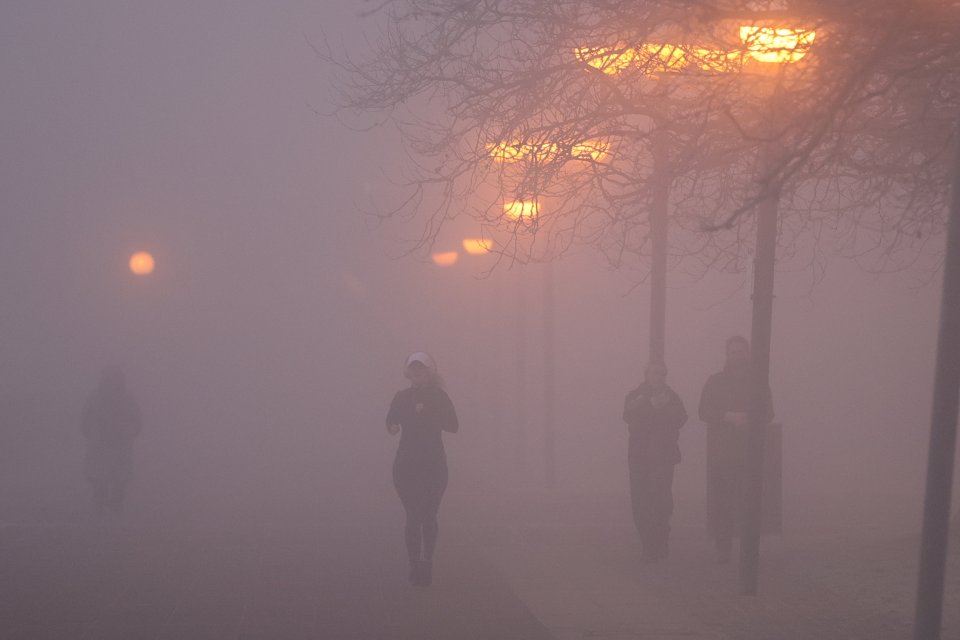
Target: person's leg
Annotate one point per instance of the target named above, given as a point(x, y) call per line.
point(405, 485)
point(644, 508)
point(721, 489)
point(636, 471)
point(725, 516)
point(661, 507)
point(431, 526)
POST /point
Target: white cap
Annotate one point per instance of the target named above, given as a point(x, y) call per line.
point(423, 358)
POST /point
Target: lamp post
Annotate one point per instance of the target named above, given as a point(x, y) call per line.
point(943, 435)
point(762, 43)
point(522, 211)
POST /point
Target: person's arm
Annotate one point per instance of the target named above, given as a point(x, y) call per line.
point(676, 412)
point(448, 415)
point(636, 408)
point(711, 407)
point(393, 416)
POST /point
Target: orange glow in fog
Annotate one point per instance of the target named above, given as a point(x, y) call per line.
point(476, 246)
point(141, 263)
point(521, 209)
point(445, 258)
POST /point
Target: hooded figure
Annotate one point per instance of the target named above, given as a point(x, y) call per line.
point(724, 407)
point(110, 423)
point(421, 413)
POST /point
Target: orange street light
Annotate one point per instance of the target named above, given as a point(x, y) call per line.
point(445, 258)
point(776, 44)
point(141, 263)
point(477, 246)
point(762, 43)
point(522, 210)
point(519, 150)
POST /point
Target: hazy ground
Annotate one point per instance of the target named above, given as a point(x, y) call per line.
point(292, 554)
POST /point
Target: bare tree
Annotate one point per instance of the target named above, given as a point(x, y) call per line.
point(813, 123)
point(561, 102)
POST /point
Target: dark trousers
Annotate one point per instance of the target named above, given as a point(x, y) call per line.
point(726, 448)
point(651, 496)
point(420, 483)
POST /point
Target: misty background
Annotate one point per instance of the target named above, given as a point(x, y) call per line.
point(266, 346)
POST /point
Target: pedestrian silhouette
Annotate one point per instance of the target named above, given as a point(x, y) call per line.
point(724, 407)
point(654, 414)
point(421, 413)
point(110, 424)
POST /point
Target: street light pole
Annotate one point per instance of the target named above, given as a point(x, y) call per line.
point(943, 435)
point(520, 352)
point(549, 386)
point(659, 221)
point(761, 330)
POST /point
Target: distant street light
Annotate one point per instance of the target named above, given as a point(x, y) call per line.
point(774, 44)
point(445, 258)
point(523, 210)
point(141, 263)
point(477, 246)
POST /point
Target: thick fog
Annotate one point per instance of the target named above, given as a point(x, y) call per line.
point(266, 346)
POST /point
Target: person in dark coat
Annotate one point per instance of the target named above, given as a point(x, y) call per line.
point(654, 414)
point(724, 407)
point(421, 413)
point(110, 424)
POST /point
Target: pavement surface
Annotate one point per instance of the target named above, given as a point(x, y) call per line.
point(110, 580)
point(514, 565)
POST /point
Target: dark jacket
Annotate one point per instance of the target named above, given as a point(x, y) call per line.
point(423, 414)
point(110, 423)
point(654, 431)
point(727, 391)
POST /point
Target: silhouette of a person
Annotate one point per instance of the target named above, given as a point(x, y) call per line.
point(421, 413)
point(724, 407)
point(654, 414)
point(110, 424)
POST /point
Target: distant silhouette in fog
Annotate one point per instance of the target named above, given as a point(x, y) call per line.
point(724, 406)
point(654, 414)
point(421, 413)
point(110, 424)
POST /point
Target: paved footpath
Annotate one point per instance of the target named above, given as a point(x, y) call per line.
point(531, 567)
point(582, 577)
point(110, 580)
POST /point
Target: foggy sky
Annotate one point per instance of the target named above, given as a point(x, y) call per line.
point(271, 336)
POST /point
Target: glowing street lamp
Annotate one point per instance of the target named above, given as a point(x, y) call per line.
point(522, 210)
point(477, 246)
point(141, 263)
point(763, 43)
point(776, 44)
point(445, 258)
point(518, 150)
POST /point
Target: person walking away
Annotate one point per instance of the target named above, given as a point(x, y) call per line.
point(110, 424)
point(420, 414)
point(654, 414)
